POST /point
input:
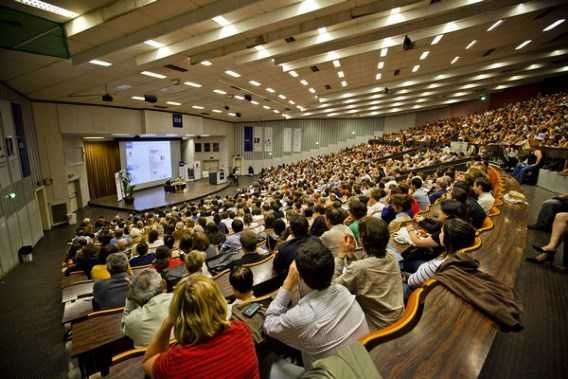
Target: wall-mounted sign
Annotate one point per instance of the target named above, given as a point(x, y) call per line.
point(177, 120)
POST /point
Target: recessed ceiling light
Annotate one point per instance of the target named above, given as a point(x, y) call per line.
point(437, 39)
point(153, 74)
point(343, 83)
point(340, 74)
point(456, 58)
point(554, 25)
point(217, 110)
point(415, 68)
point(233, 74)
point(206, 63)
point(286, 117)
point(239, 97)
point(523, 44)
point(140, 98)
point(254, 83)
point(282, 97)
point(192, 84)
point(312, 90)
point(48, 8)
point(153, 43)
point(99, 62)
point(380, 65)
point(292, 102)
point(304, 82)
point(293, 73)
point(379, 76)
point(496, 24)
point(221, 20)
point(424, 55)
point(266, 107)
point(254, 102)
point(220, 92)
point(470, 45)
point(534, 66)
point(122, 87)
point(336, 63)
point(173, 103)
point(270, 90)
point(384, 51)
point(197, 107)
point(276, 111)
point(232, 114)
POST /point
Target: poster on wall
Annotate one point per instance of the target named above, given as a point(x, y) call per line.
point(287, 137)
point(247, 141)
point(268, 140)
point(257, 139)
point(177, 120)
point(297, 140)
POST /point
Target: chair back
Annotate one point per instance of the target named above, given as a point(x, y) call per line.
point(105, 312)
point(487, 225)
point(261, 270)
point(138, 269)
point(222, 280)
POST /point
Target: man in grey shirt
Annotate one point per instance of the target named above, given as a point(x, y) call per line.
point(326, 318)
point(111, 293)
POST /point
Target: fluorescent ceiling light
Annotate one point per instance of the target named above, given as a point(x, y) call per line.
point(197, 107)
point(232, 114)
point(173, 103)
point(94, 138)
point(437, 39)
point(380, 65)
point(254, 83)
point(153, 74)
point(379, 76)
point(312, 90)
point(384, 51)
point(233, 74)
point(217, 110)
point(140, 98)
point(470, 45)
point(282, 97)
point(340, 74)
point(304, 82)
point(554, 25)
point(523, 44)
point(496, 24)
point(206, 63)
point(99, 62)
point(220, 92)
point(254, 102)
point(221, 20)
point(153, 43)
point(293, 73)
point(457, 58)
point(48, 8)
point(343, 83)
point(270, 90)
point(192, 84)
point(276, 111)
point(239, 97)
point(122, 87)
point(266, 107)
point(415, 68)
point(424, 55)
point(336, 63)
point(292, 102)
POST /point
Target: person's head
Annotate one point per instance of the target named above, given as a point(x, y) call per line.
point(315, 264)
point(376, 195)
point(319, 226)
point(200, 241)
point(459, 194)
point(169, 241)
point(374, 235)
point(248, 241)
point(145, 286)
point(451, 209)
point(237, 226)
point(241, 280)
point(153, 235)
point(194, 261)
point(279, 226)
point(400, 202)
point(334, 216)
point(198, 310)
point(142, 248)
point(299, 226)
point(357, 209)
point(482, 184)
point(186, 243)
point(416, 182)
point(456, 234)
point(269, 221)
point(117, 263)
point(163, 253)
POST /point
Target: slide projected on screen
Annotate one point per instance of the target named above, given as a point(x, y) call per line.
point(148, 161)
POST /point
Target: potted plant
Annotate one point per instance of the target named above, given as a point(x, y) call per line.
point(127, 188)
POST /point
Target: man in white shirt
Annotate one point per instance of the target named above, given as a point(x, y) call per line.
point(334, 237)
point(482, 189)
point(147, 305)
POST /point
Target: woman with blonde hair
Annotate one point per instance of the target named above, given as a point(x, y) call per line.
point(208, 345)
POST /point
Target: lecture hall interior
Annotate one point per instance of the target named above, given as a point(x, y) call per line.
point(278, 189)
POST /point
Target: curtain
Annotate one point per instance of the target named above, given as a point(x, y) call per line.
point(102, 160)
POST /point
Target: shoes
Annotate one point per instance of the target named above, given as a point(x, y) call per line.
point(541, 250)
point(542, 258)
point(534, 227)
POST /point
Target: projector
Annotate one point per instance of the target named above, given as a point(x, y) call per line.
point(150, 98)
point(107, 97)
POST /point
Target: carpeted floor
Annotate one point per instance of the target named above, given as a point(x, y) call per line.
point(31, 330)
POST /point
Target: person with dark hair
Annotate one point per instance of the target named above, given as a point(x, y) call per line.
point(326, 318)
point(251, 253)
point(276, 235)
point(241, 280)
point(143, 257)
point(357, 210)
point(154, 240)
point(186, 244)
point(374, 280)
point(334, 237)
point(233, 242)
point(482, 188)
point(419, 193)
point(456, 234)
point(319, 226)
point(216, 237)
point(474, 214)
point(287, 250)
point(86, 258)
point(164, 259)
point(100, 271)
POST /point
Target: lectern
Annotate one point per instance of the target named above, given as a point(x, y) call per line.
point(217, 177)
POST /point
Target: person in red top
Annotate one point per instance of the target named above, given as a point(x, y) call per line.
point(165, 260)
point(208, 345)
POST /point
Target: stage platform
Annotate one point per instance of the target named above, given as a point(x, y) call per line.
point(157, 197)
